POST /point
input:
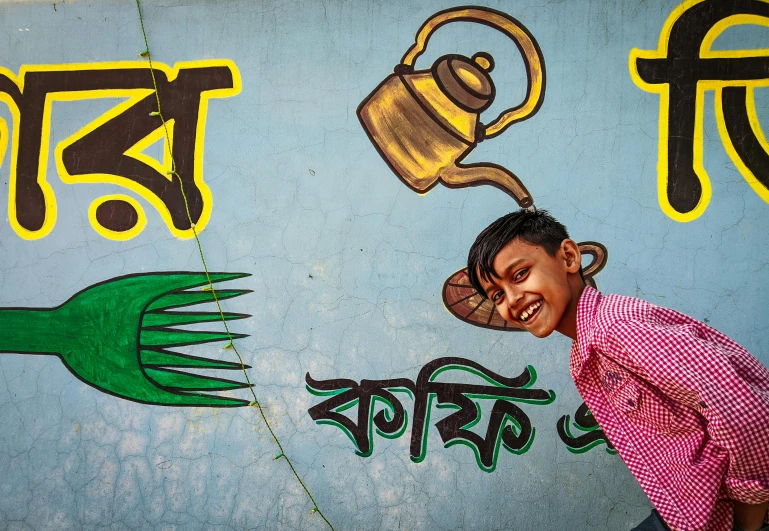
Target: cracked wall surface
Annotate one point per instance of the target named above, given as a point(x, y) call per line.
point(347, 267)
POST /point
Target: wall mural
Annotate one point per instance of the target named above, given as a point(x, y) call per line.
point(680, 70)
point(116, 335)
point(133, 336)
point(424, 123)
point(508, 425)
point(591, 434)
point(110, 148)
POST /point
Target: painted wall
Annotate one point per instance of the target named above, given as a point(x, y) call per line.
point(335, 217)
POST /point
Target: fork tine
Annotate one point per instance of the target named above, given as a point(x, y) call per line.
point(166, 358)
point(181, 381)
point(188, 298)
point(171, 398)
point(168, 337)
point(159, 318)
point(194, 280)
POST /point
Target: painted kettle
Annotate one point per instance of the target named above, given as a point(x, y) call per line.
point(425, 122)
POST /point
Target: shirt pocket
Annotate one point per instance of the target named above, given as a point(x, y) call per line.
point(639, 403)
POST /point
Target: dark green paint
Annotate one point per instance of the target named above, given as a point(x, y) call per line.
point(113, 336)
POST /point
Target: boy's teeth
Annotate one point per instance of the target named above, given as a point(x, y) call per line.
point(528, 311)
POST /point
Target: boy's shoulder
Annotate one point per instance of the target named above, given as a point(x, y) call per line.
point(609, 312)
point(615, 310)
point(598, 313)
point(600, 317)
point(612, 308)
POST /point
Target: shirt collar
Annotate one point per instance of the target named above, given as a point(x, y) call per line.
point(587, 306)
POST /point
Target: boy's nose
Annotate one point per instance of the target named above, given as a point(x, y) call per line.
point(513, 297)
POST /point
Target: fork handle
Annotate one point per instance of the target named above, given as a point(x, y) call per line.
point(29, 331)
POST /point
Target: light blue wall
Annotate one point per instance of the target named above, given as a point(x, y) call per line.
point(348, 265)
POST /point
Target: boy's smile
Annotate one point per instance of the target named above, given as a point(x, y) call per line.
point(536, 291)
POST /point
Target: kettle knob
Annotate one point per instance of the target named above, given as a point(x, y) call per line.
point(466, 82)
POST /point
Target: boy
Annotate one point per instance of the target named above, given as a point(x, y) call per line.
point(685, 406)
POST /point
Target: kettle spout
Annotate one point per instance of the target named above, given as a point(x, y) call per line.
point(462, 175)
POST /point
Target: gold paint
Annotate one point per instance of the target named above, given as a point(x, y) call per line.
point(531, 56)
point(469, 78)
point(424, 134)
point(482, 62)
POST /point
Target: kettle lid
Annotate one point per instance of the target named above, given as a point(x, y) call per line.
point(466, 81)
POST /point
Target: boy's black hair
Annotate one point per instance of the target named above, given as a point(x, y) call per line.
point(536, 228)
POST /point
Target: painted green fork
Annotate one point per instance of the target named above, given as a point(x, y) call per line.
point(114, 336)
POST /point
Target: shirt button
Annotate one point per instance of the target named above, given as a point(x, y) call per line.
point(703, 405)
point(631, 403)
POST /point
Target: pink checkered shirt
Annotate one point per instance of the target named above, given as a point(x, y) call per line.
point(686, 407)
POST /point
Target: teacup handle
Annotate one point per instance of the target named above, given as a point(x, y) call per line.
point(532, 56)
point(599, 254)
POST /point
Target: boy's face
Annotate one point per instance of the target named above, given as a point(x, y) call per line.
point(536, 291)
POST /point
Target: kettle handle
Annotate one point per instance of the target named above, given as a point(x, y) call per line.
point(532, 57)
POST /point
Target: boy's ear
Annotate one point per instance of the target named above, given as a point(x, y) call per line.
point(572, 257)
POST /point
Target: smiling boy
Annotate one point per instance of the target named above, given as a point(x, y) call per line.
point(686, 407)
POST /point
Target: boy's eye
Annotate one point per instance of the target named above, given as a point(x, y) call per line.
point(496, 297)
point(520, 274)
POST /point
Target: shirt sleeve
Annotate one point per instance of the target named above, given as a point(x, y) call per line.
point(694, 365)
